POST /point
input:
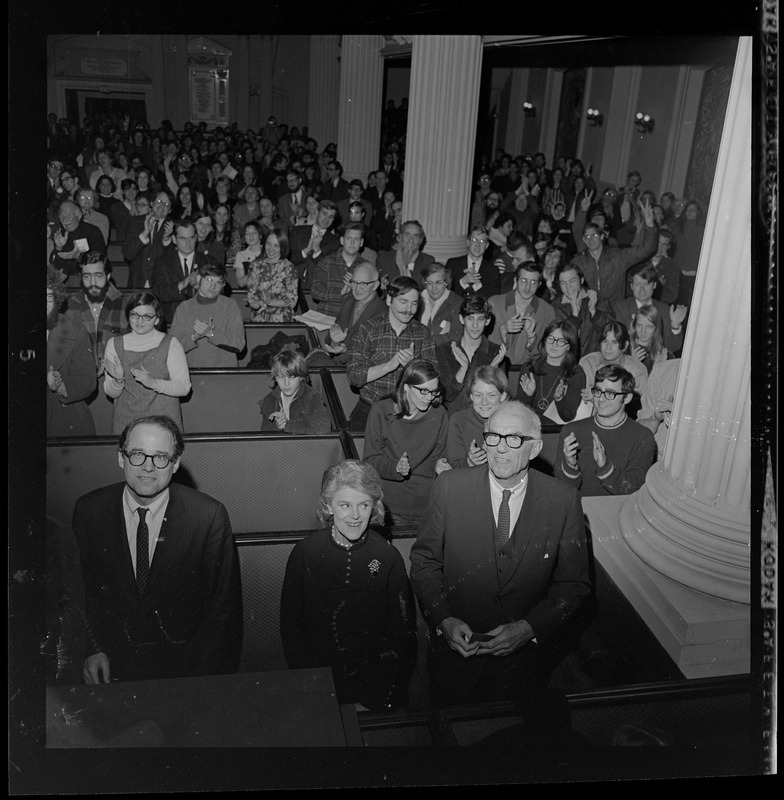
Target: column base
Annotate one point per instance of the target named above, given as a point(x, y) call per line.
point(705, 636)
point(443, 248)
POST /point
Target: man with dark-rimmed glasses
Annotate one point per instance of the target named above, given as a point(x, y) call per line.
point(499, 565)
point(160, 568)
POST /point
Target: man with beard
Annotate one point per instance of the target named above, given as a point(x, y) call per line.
point(383, 345)
point(73, 238)
point(70, 369)
point(99, 305)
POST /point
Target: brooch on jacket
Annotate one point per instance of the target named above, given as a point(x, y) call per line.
point(374, 566)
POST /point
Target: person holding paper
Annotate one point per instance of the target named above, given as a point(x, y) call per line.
point(73, 238)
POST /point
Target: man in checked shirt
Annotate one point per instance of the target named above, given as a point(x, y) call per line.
point(382, 346)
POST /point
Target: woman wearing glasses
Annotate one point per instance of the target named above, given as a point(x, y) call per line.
point(146, 371)
point(405, 440)
point(552, 382)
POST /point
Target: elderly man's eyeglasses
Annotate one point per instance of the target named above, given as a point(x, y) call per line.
point(138, 459)
point(559, 342)
point(512, 440)
point(360, 284)
point(427, 392)
point(433, 284)
point(608, 393)
point(142, 317)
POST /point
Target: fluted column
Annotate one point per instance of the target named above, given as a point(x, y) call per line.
point(691, 520)
point(361, 95)
point(440, 140)
point(324, 96)
point(618, 141)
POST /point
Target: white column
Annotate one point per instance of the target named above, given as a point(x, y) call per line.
point(440, 139)
point(324, 95)
point(361, 95)
point(691, 520)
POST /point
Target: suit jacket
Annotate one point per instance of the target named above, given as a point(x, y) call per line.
point(188, 620)
point(625, 310)
point(386, 263)
point(488, 272)
point(448, 312)
point(167, 273)
point(334, 193)
point(454, 571)
point(140, 255)
point(299, 236)
point(284, 205)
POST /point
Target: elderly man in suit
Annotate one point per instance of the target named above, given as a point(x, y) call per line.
point(160, 568)
point(499, 565)
point(175, 276)
point(145, 240)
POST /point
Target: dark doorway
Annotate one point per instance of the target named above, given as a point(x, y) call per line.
point(114, 108)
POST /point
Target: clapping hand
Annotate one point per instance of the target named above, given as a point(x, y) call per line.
point(60, 238)
point(346, 288)
point(279, 418)
point(144, 377)
point(476, 455)
point(201, 329)
point(515, 324)
point(402, 357)
point(459, 355)
point(403, 465)
point(114, 369)
point(570, 450)
point(168, 228)
point(599, 456)
point(593, 301)
point(53, 379)
point(337, 334)
point(663, 410)
point(442, 465)
point(499, 356)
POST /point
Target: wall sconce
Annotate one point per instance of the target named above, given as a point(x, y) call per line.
point(643, 122)
point(594, 117)
point(529, 109)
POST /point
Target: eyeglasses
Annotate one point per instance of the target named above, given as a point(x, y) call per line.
point(427, 392)
point(360, 284)
point(559, 341)
point(56, 166)
point(142, 317)
point(433, 284)
point(532, 282)
point(474, 240)
point(512, 440)
point(138, 459)
point(161, 203)
point(609, 394)
point(214, 280)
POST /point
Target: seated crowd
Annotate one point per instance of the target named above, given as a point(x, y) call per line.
point(567, 312)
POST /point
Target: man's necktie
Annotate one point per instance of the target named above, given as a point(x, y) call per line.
point(185, 270)
point(142, 550)
point(503, 517)
point(154, 231)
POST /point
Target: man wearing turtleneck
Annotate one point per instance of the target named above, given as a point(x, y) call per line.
point(209, 325)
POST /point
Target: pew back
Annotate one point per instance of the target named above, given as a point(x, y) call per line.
point(268, 482)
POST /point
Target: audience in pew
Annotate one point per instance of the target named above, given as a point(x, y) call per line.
point(405, 440)
point(645, 337)
point(439, 306)
point(99, 305)
point(70, 368)
point(460, 357)
point(293, 406)
point(209, 326)
point(489, 387)
point(346, 601)
point(272, 281)
point(657, 399)
point(552, 383)
point(383, 345)
point(608, 453)
point(146, 371)
point(252, 235)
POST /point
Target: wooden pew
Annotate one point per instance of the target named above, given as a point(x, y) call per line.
point(268, 482)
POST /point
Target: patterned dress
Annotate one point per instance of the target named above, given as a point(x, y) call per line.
point(278, 280)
